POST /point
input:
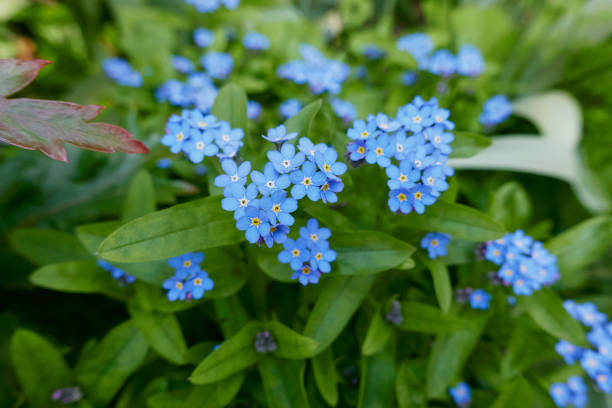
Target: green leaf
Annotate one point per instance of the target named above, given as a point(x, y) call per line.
point(408, 388)
point(163, 333)
point(339, 299)
point(378, 334)
point(283, 382)
point(468, 144)
point(36, 124)
point(526, 347)
point(368, 252)
point(105, 367)
point(377, 383)
point(581, 245)
point(141, 197)
point(291, 345)
point(511, 206)
point(457, 220)
point(514, 393)
point(193, 226)
point(92, 235)
point(168, 399)
point(302, 121)
point(77, 277)
point(334, 220)
point(325, 375)
point(233, 355)
point(270, 265)
point(441, 281)
point(39, 366)
point(196, 353)
point(546, 309)
point(217, 395)
point(423, 318)
point(231, 105)
point(42, 246)
point(450, 353)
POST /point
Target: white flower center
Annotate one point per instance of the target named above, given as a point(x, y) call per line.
point(200, 145)
point(399, 147)
point(270, 184)
point(286, 163)
point(226, 137)
point(234, 178)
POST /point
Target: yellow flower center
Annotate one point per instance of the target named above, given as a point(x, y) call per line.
point(403, 178)
point(417, 119)
point(306, 270)
point(197, 281)
point(434, 242)
point(307, 181)
point(430, 180)
point(180, 136)
point(325, 187)
point(272, 228)
point(295, 252)
point(255, 221)
point(401, 197)
point(179, 285)
point(496, 252)
point(314, 237)
point(187, 264)
point(379, 151)
point(226, 137)
point(276, 208)
point(319, 256)
point(438, 119)
point(202, 124)
point(418, 195)
point(361, 150)
point(326, 167)
point(365, 134)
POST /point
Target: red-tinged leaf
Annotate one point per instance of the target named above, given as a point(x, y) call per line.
point(36, 124)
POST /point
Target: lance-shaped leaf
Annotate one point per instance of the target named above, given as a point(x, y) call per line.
point(36, 124)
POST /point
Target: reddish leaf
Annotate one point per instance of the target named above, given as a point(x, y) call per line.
point(37, 124)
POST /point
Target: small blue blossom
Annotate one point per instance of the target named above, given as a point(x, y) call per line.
point(233, 174)
point(479, 299)
point(496, 110)
point(321, 256)
point(420, 196)
point(345, 110)
point(415, 118)
point(309, 149)
point(589, 315)
point(461, 394)
point(198, 284)
point(287, 159)
point(279, 135)
point(604, 382)
point(176, 288)
point(186, 264)
point(435, 243)
point(278, 208)
point(255, 41)
point(419, 45)
point(329, 189)
point(373, 51)
point(399, 201)
point(178, 132)
point(229, 140)
point(270, 180)
point(570, 352)
point(290, 108)
point(295, 253)
point(163, 163)
point(440, 116)
point(326, 161)
point(254, 110)
point(230, 4)
point(387, 124)
point(122, 72)
point(278, 234)
point(201, 121)
point(402, 177)
point(307, 181)
point(204, 6)
point(379, 151)
point(203, 37)
point(313, 234)
point(409, 77)
point(561, 394)
point(116, 273)
point(435, 178)
point(255, 223)
point(306, 274)
point(357, 150)
point(218, 64)
point(182, 64)
point(594, 363)
point(200, 144)
point(470, 61)
point(442, 63)
point(238, 198)
point(362, 130)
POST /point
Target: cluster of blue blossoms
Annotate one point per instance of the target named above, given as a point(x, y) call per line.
point(189, 281)
point(197, 91)
point(525, 263)
point(309, 256)
point(120, 71)
point(461, 394)
point(255, 41)
point(199, 135)
point(495, 110)
point(290, 108)
point(420, 175)
point(435, 243)
point(596, 362)
point(321, 74)
point(208, 6)
point(345, 110)
point(118, 274)
point(467, 62)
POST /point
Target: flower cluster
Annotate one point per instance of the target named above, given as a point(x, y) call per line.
point(345, 110)
point(524, 263)
point(574, 393)
point(217, 64)
point(418, 140)
point(120, 71)
point(479, 299)
point(189, 281)
point(199, 135)
point(197, 91)
point(461, 394)
point(309, 255)
point(467, 62)
point(495, 110)
point(208, 6)
point(255, 41)
point(596, 362)
point(203, 37)
point(373, 51)
point(435, 243)
point(290, 108)
point(67, 395)
point(118, 274)
point(321, 74)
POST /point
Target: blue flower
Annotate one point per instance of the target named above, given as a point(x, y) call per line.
point(295, 253)
point(404, 144)
point(594, 363)
point(186, 264)
point(357, 150)
point(495, 110)
point(177, 133)
point(386, 124)
point(604, 382)
point(279, 135)
point(278, 234)
point(198, 284)
point(287, 159)
point(233, 174)
point(379, 151)
point(122, 72)
point(200, 144)
point(399, 201)
point(362, 130)
point(560, 393)
point(278, 208)
point(307, 181)
point(419, 158)
point(238, 199)
point(329, 189)
point(415, 118)
point(419, 45)
point(164, 163)
point(470, 61)
point(230, 4)
point(373, 51)
point(435, 243)
point(255, 223)
point(255, 41)
point(116, 273)
point(327, 163)
point(589, 315)
point(270, 181)
point(479, 299)
point(176, 288)
point(201, 121)
point(306, 146)
point(442, 63)
point(182, 64)
point(435, 178)
point(313, 234)
point(254, 110)
point(204, 6)
point(307, 274)
point(345, 110)
point(321, 256)
point(461, 394)
point(218, 64)
point(403, 177)
point(409, 77)
point(290, 108)
point(420, 196)
point(570, 352)
point(203, 37)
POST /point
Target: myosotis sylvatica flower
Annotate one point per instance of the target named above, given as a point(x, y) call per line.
point(189, 280)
